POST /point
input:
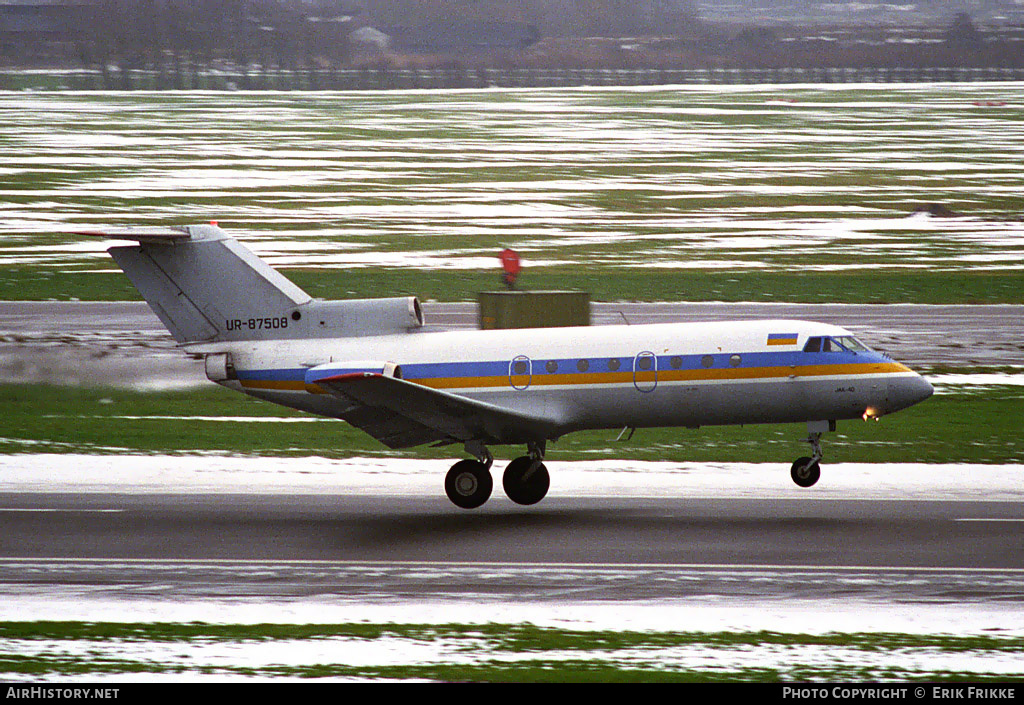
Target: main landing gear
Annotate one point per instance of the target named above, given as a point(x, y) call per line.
point(806, 471)
point(469, 483)
point(526, 480)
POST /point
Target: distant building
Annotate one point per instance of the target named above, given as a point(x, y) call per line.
point(368, 41)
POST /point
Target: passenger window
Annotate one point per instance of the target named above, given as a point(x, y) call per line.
point(707, 361)
point(613, 364)
point(734, 361)
point(519, 367)
point(644, 363)
point(551, 366)
point(676, 362)
point(582, 365)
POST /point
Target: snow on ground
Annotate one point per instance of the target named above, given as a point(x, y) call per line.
point(953, 383)
point(213, 473)
point(391, 651)
point(701, 614)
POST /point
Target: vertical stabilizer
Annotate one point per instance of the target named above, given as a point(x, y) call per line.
point(207, 287)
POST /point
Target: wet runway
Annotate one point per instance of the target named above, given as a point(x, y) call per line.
point(111, 343)
point(629, 530)
point(407, 548)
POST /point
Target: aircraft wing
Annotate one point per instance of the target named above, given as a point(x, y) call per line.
point(401, 414)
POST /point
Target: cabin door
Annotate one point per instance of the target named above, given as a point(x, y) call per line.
point(645, 371)
point(520, 372)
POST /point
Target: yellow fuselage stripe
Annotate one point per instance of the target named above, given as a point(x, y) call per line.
point(603, 378)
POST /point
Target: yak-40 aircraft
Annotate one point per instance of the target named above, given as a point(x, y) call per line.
point(370, 362)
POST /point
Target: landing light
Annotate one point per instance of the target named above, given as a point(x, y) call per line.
point(871, 413)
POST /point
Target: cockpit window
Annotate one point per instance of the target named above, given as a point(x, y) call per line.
point(851, 343)
point(845, 343)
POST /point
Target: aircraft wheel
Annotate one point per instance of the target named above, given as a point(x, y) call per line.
point(805, 472)
point(468, 484)
point(523, 486)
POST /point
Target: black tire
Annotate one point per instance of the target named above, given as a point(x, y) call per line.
point(523, 490)
point(468, 484)
point(804, 472)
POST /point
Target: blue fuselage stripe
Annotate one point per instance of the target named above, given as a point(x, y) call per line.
point(597, 365)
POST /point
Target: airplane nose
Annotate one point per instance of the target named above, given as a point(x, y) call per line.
point(913, 390)
point(922, 389)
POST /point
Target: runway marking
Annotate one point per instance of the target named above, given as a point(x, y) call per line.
point(491, 565)
point(54, 510)
point(990, 520)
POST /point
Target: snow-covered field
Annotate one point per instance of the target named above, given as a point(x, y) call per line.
point(219, 473)
point(742, 177)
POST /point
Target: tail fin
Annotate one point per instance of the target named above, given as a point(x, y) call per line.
point(207, 287)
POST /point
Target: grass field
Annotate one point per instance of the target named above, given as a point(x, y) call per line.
point(969, 427)
point(626, 284)
point(492, 653)
point(800, 193)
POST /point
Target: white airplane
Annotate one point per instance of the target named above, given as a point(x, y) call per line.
point(370, 363)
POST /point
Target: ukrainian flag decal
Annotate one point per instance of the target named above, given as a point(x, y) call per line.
point(782, 338)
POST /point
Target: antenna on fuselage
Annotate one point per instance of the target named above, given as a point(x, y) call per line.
point(622, 434)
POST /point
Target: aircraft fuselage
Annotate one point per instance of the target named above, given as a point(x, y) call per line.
point(676, 374)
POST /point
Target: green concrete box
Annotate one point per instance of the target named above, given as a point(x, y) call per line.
point(533, 309)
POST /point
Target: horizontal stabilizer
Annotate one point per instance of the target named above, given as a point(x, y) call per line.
point(139, 234)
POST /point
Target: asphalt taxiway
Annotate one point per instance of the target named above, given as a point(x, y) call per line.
point(124, 343)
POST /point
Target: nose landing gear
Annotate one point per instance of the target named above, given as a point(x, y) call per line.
point(806, 471)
